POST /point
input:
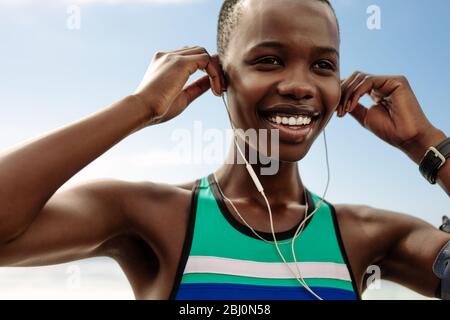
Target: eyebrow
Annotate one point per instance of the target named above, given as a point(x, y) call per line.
point(280, 45)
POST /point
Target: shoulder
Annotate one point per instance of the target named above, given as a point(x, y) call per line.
point(360, 227)
point(157, 213)
point(155, 198)
point(373, 232)
point(376, 228)
point(357, 221)
point(126, 192)
point(367, 234)
point(404, 247)
point(375, 222)
point(137, 201)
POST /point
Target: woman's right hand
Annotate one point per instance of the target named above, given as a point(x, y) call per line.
point(163, 89)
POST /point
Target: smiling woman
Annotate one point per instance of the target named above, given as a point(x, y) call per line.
point(266, 60)
point(211, 238)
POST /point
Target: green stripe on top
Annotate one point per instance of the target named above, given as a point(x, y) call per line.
point(219, 278)
point(214, 236)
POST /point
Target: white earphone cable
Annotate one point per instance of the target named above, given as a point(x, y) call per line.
point(298, 276)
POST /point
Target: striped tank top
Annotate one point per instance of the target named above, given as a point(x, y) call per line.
point(223, 260)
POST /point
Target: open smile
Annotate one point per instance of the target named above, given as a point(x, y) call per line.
point(293, 128)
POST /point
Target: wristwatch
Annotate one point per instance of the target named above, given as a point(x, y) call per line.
point(434, 159)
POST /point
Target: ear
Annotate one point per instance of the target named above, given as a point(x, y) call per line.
point(224, 77)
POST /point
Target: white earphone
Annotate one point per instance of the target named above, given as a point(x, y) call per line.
point(260, 188)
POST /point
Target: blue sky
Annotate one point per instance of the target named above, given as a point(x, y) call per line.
point(51, 76)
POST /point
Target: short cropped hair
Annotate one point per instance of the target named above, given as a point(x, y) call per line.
point(229, 18)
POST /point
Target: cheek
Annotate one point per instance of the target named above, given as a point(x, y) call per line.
point(331, 93)
point(331, 96)
point(247, 89)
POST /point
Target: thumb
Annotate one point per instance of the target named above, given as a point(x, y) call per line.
point(192, 92)
point(186, 97)
point(359, 113)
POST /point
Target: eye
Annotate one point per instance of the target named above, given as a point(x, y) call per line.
point(269, 60)
point(324, 64)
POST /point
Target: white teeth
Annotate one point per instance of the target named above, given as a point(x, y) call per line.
point(291, 121)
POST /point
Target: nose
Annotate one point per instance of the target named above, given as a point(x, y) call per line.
point(297, 85)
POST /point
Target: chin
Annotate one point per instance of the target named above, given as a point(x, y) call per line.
point(292, 153)
point(287, 153)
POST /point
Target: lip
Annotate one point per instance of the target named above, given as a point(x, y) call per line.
point(293, 135)
point(291, 109)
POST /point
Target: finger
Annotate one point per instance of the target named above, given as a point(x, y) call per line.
point(376, 96)
point(359, 112)
point(216, 62)
point(192, 50)
point(357, 84)
point(370, 84)
point(363, 88)
point(344, 85)
point(196, 89)
point(338, 109)
point(192, 92)
point(345, 82)
point(214, 59)
point(180, 50)
point(354, 83)
point(204, 62)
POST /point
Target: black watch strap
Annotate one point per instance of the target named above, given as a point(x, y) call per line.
point(434, 159)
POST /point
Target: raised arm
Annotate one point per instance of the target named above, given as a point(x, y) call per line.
point(32, 172)
point(40, 224)
point(396, 117)
point(74, 224)
point(407, 248)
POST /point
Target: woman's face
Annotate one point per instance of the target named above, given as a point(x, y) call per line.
point(284, 52)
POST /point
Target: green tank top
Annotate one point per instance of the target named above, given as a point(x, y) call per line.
point(223, 260)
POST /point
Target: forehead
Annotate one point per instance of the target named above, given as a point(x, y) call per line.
point(296, 22)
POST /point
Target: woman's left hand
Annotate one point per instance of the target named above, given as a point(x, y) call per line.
point(396, 117)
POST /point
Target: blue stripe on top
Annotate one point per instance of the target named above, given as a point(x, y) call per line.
point(225, 291)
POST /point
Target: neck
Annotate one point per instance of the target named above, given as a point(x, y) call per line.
point(282, 188)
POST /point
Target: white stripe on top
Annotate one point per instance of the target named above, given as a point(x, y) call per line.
point(270, 270)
